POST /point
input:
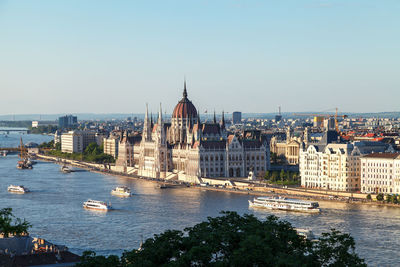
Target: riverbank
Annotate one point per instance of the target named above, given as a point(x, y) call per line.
point(239, 186)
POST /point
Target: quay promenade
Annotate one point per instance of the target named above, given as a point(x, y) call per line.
point(236, 185)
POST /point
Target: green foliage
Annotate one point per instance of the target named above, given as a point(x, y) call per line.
point(11, 225)
point(267, 175)
point(234, 240)
point(42, 129)
point(336, 249)
point(49, 144)
point(379, 197)
point(18, 124)
point(92, 153)
point(395, 199)
point(369, 197)
point(388, 198)
point(282, 175)
point(89, 259)
point(285, 178)
point(274, 157)
point(58, 146)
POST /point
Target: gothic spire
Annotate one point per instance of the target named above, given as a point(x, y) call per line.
point(223, 120)
point(215, 118)
point(160, 116)
point(184, 89)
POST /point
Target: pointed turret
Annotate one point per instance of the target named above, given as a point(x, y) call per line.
point(160, 120)
point(215, 118)
point(223, 120)
point(146, 125)
point(184, 89)
point(151, 120)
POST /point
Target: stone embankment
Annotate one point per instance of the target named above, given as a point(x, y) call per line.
point(230, 185)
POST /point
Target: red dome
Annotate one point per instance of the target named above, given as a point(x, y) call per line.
point(185, 108)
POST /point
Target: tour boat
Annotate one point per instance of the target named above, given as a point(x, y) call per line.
point(281, 203)
point(121, 191)
point(96, 205)
point(17, 189)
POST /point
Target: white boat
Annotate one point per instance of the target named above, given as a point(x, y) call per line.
point(121, 191)
point(65, 169)
point(96, 205)
point(281, 203)
point(17, 189)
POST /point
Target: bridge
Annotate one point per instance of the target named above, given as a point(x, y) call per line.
point(5, 150)
point(18, 130)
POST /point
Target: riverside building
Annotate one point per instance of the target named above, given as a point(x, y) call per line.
point(334, 165)
point(380, 173)
point(76, 141)
point(187, 149)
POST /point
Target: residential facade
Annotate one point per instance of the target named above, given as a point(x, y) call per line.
point(335, 166)
point(76, 141)
point(380, 173)
point(72, 142)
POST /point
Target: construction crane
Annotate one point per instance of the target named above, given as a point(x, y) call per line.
point(325, 116)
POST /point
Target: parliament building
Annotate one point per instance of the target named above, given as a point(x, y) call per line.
point(187, 149)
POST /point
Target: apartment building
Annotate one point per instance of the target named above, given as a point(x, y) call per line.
point(380, 173)
point(336, 166)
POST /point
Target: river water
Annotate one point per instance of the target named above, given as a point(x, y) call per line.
point(54, 208)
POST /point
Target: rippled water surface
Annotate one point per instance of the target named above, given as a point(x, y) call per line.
point(54, 207)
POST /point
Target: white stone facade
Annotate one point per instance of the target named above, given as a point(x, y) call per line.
point(337, 167)
point(189, 149)
point(380, 173)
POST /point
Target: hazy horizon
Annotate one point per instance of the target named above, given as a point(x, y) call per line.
point(61, 57)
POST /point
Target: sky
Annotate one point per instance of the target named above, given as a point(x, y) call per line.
point(93, 56)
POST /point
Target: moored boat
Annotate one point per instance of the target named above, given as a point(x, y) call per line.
point(97, 205)
point(17, 189)
point(281, 203)
point(24, 164)
point(121, 191)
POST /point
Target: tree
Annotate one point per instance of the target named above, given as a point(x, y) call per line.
point(379, 197)
point(11, 225)
point(266, 176)
point(274, 157)
point(395, 200)
point(57, 146)
point(336, 249)
point(282, 175)
point(369, 197)
point(234, 240)
point(388, 198)
point(274, 176)
point(89, 259)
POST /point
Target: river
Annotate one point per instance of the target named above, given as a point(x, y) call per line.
point(54, 208)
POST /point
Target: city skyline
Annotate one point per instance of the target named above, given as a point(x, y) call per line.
point(97, 57)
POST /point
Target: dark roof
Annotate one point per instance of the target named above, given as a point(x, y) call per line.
point(211, 128)
point(383, 155)
point(251, 143)
point(213, 144)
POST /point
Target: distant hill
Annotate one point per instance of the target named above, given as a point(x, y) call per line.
point(228, 116)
